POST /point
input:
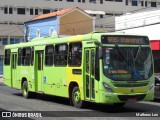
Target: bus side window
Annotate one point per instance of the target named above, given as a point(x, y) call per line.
point(60, 58)
point(75, 54)
point(49, 50)
point(7, 57)
point(32, 56)
point(19, 56)
point(26, 56)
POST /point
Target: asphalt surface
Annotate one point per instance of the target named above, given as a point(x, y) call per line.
point(51, 107)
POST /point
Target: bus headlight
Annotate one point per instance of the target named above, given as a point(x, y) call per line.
point(151, 87)
point(107, 88)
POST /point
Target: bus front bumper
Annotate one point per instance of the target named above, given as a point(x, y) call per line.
point(110, 98)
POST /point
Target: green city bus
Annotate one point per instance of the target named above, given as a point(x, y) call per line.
point(107, 68)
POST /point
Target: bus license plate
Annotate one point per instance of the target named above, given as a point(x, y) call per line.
point(132, 99)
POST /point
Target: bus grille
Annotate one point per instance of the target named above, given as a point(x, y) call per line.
point(126, 97)
point(130, 84)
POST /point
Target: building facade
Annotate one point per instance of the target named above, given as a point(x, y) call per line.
point(71, 21)
point(13, 13)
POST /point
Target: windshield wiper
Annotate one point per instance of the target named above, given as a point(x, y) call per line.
point(134, 59)
point(121, 53)
point(139, 49)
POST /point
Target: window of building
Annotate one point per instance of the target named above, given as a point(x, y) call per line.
point(36, 11)
point(31, 11)
point(49, 52)
point(75, 54)
point(83, 1)
point(79, 0)
point(101, 16)
point(26, 56)
point(10, 10)
point(118, 0)
point(11, 40)
point(38, 33)
point(45, 11)
point(4, 41)
point(92, 1)
point(14, 40)
point(101, 1)
point(110, 14)
point(7, 57)
point(70, 0)
point(153, 4)
point(5, 10)
point(134, 2)
point(126, 2)
point(51, 30)
point(60, 57)
point(142, 3)
point(146, 4)
point(21, 11)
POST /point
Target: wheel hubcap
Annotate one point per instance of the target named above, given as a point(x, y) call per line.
point(25, 90)
point(77, 96)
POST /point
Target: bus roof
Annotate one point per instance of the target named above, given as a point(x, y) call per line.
point(57, 39)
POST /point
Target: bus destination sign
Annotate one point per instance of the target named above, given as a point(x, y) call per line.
point(130, 40)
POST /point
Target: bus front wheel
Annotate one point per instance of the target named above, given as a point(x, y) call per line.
point(76, 98)
point(25, 91)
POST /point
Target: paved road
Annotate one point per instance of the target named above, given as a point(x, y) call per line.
point(12, 100)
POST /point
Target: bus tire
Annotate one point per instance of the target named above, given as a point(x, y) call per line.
point(25, 92)
point(76, 98)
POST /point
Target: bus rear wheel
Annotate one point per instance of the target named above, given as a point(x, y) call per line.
point(76, 98)
point(25, 92)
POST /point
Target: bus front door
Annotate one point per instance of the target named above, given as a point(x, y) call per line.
point(89, 74)
point(39, 71)
point(14, 71)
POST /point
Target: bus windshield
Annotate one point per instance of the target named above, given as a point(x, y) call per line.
point(127, 63)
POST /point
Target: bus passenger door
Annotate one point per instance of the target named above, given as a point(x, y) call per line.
point(39, 71)
point(14, 70)
point(89, 74)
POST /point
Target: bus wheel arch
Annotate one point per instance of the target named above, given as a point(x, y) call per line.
point(23, 79)
point(74, 95)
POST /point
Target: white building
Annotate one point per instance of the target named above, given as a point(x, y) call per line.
point(13, 13)
point(144, 22)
